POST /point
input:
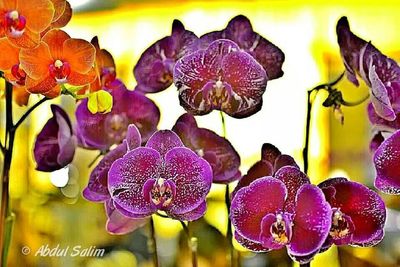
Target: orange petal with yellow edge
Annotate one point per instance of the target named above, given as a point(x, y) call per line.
point(35, 62)
point(59, 8)
point(78, 79)
point(38, 13)
point(20, 95)
point(80, 54)
point(55, 40)
point(65, 17)
point(40, 86)
point(10, 55)
point(28, 39)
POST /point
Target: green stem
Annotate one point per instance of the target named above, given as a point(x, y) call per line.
point(192, 243)
point(223, 124)
point(153, 242)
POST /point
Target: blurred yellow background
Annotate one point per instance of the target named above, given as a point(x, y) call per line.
point(305, 31)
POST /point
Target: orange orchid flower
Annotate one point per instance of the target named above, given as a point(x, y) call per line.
point(10, 67)
point(58, 59)
point(62, 15)
point(22, 21)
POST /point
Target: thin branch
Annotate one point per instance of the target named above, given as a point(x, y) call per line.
point(154, 242)
point(26, 114)
point(192, 243)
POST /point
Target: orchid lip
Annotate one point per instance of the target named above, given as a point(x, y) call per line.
point(340, 226)
point(160, 192)
point(60, 71)
point(278, 230)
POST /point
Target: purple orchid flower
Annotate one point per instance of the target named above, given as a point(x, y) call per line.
point(218, 151)
point(271, 161)
point(153, 72)
point(220, 77)
point(163, 176)
point(240, 31)
point(380, 73)
point(387, 165)
point(100, 131)
point(97, 190)
point(358, 213)
point(272, 213)
point(55, 144)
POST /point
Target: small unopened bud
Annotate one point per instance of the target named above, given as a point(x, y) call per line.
point(338, 113)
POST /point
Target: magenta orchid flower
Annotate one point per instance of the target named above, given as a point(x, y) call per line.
point(162, 176)
point(100, 131)
point(97, 190)
point(55, 144)
point(379, 72)
point(282, 211)
point(220, 77)
point(358, 213)
point(387, 165)
point(218, 151)
point(240, 31)
point(154, 70)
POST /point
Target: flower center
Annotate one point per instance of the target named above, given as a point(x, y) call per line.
point(278, 231)
point(340, 226)
point(60, 71)
point(116, 125)
point(19, 74)
point(162, 192)
point(15, 23)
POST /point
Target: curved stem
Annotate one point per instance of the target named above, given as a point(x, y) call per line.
point(192, 243)
point(153, 242)
point(355, 103)
point(26, 114)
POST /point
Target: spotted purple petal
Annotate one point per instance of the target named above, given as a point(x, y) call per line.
point(380, 123)
point(153, 72)
point(220, 77)
point(387, 165)
point(100, 131)
point(218, 151)
point(250, 205)
point(312, 221)
point(253, 246)
point(192, 176)
point(365, 209)
point(97, 188)
point(127, 177)
point(240, 31)
point(163, 141)
point(293, 179)
point(192, 215)
point(55, 144)
point(119, 224)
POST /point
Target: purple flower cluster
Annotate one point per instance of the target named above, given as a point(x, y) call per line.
point(279, 208)
point(382, 75)
point(225, 70)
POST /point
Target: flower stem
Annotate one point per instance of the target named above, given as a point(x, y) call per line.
point(192, 243)
point(153, 243)
point(26, 114)
point(223, 124)
point(305, 264)
point(308, 125)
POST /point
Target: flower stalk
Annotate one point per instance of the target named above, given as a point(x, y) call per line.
point(192, 243)
point(153, 242)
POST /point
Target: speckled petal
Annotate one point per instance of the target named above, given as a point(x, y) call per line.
point(293, 179)
point(127, 177)
point(97, 188)
point(119, 224)
point(365, 208)
point(133, 138)
point(312, 221)
point(153, 72)
point(387, 165)
point(253, 246)
point(163, 141)
point(192, 215)
point(380, 123)
point(192, 176)
point(252, 203)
